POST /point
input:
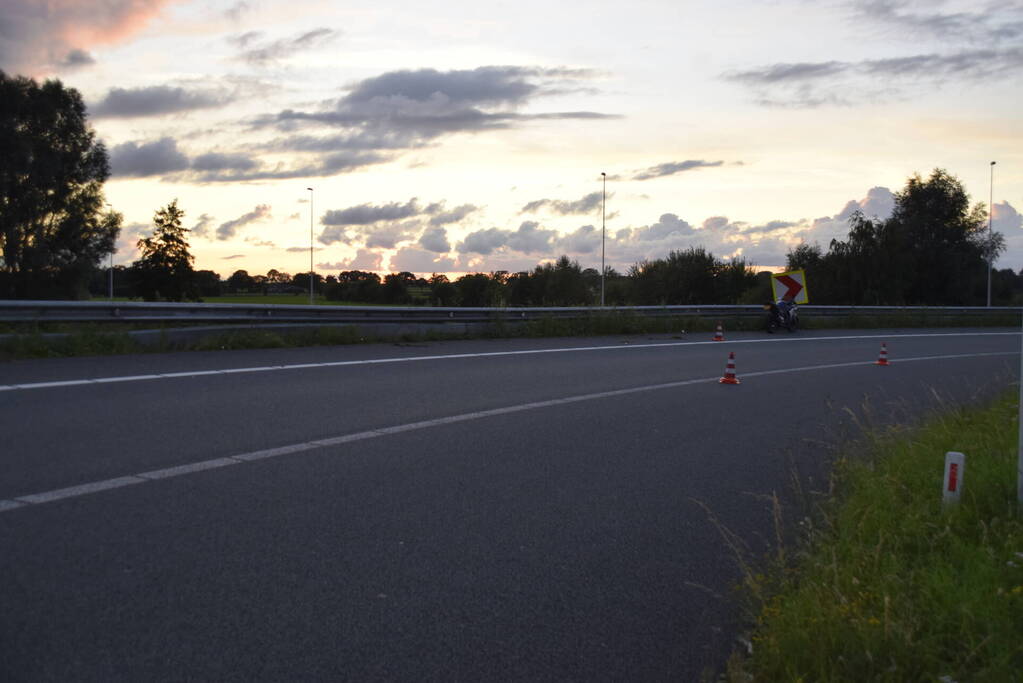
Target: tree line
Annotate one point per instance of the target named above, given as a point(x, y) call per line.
point(56, 230)
point(685, 277)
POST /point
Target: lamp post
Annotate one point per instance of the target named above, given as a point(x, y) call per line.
point(990, 211)
point(603, 221)
point(310, 245)
point(111, 269)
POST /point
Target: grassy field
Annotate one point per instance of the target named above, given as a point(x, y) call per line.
point(889, 586)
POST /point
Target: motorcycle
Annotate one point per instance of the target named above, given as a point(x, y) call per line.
point(781, 314)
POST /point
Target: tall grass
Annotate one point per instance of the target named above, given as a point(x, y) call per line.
point(887, 585)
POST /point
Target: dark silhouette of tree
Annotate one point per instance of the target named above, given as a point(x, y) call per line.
point(53, 230)
point(931, 251)
point(396, 288)
point(165, 266)
point(442, 292)
point(301, 281)
point(208, 283)
point(474, 290)
point(240, 281)
point(732, 280)
point(355, 285)
point(684, 277)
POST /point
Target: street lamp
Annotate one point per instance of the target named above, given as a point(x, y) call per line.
point(111, 270)
point(310, 245)
point(603, 222)
point(990, 211)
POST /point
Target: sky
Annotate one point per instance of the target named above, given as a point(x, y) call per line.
point(461, 136)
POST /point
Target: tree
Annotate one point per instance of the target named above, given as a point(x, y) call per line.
point(442, 292)
point(396, 287)
point(240, 281)
point(208, 283)
point(53, 230)
point(931, 251)
point(165, 267)
point(355, 285)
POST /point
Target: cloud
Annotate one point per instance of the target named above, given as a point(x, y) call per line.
point(236, 11)
point(586, 205)
point(162, 157)
point(219, 162)
point(156, 100)
point(814, 84)
point(420, 261)
point(326, 165)
point(389, 235)
point(364, 259)
point(386, 225)
point(418, 106)
point(365, 214)
point(435, 239)
point(483, 241)
point(229, 229)
point(274, 51)
point(668, 226)
point(1005, 218)
point(439, 216)
point(879, 203)
point(232, 257)
point(38, 36)
point(529, 238)
point(128, 238)
point(987, 26)
point(584, 240)
point(135, 160)
point(76, 59)
point(673, 167)
point(202, 226)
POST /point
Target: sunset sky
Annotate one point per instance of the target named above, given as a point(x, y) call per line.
point(462, 136)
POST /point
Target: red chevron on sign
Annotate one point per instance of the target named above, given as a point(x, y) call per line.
point(794, 288)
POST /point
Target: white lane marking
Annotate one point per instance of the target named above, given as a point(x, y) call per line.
point(188, 469)
point(80, 490)
point(181, 470)
point(460, 356)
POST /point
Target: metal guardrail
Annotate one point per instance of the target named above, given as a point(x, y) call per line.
point(162, 312)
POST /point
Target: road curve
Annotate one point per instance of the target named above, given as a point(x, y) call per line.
point(499, 510)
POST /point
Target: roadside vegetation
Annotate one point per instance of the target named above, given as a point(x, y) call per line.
point(55, 340)
point(885, 584)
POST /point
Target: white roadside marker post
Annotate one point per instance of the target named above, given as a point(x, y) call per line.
point(955, 464)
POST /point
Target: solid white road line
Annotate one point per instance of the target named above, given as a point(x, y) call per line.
point(459, 356)
point(216, 463)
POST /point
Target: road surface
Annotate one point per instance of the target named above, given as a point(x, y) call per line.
point(521, 510)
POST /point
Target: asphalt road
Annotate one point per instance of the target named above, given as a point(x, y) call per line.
point(488, 510)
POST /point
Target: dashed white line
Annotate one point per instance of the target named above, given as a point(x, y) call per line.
point(462, 356)
point(217, 463)
point(80, 490)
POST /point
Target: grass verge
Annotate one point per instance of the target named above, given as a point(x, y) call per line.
point(886, 585)
point(58, 339)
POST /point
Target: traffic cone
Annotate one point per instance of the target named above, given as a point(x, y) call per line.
point(882, 358)
point(719, 335)
point(730, 377)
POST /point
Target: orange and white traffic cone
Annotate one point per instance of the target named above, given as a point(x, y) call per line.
point(882, 358)
point(730, 377)
point(719, 335)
